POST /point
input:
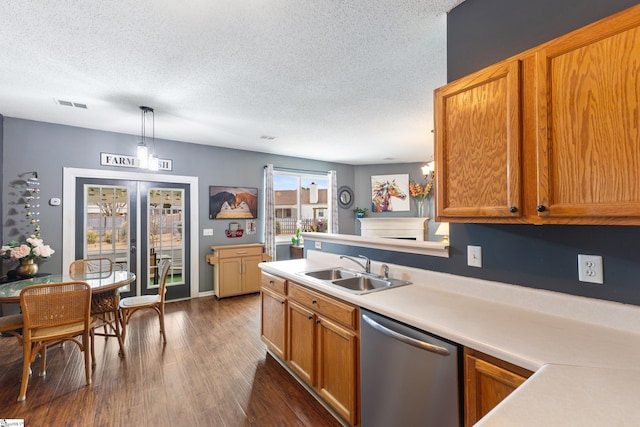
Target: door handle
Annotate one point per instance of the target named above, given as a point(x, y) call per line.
point(132, 249)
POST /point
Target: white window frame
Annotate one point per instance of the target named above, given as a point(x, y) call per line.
point(286, 238)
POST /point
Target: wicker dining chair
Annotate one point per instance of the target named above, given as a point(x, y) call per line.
point(53, 313)
point(91, 265)
point(130, 305)
point(12, 324)
point(105, 313)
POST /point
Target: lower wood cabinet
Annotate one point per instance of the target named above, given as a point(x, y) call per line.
point(337, 358)
point(488, 381)
point(321, 341)
point(302, 342)
point(274, 314)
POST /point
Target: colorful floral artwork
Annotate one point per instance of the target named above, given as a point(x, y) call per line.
point(390, 193)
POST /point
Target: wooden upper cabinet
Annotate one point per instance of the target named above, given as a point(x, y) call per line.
point(588, 93)
point(478, 140)
point(551, 135)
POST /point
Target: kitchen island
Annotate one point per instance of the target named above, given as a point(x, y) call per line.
point(584, 352)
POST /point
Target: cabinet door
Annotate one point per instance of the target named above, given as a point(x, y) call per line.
point(478, 143)
point(487, 384)
point(230, 277)
point(301, 342)
point(274, 322)
point(337, 354)
point(588, 115)
point(252, 274)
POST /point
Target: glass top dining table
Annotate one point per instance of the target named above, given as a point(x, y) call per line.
point(100, 282)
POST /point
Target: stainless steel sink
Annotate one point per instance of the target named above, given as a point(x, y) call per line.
point(332, 273)
point(368, 284)
point(353, 281)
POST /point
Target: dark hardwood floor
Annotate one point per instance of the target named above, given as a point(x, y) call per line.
point(213, 371)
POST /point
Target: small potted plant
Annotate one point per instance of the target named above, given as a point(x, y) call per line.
point(360, 212)
point(295, 240)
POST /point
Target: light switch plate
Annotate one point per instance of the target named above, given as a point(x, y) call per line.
point(207, 231)
point(474, 256)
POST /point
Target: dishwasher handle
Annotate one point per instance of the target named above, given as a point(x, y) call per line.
point(405, 339)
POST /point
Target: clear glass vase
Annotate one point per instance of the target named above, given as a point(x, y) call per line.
point(423, 208)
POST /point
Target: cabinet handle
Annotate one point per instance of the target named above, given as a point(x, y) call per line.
point(314, 301)
point(282, 302)
point(541, 208)
point(317, 321)
point(513, 209)
point(271, 282)
point(310, 317)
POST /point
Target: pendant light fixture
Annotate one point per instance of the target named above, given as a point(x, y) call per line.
point(147, 157)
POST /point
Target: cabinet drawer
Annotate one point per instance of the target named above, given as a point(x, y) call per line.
point(239, 252)
point(341, 312)
point(275, 283)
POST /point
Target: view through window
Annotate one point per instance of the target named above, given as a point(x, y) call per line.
point(301, 201)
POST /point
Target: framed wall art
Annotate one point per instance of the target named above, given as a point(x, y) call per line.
point(233, 202)
point(390, 193)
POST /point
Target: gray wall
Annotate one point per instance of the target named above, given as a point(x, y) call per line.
point(362, 196)
point(1, 172)
point(482, 32)
point(47, 148)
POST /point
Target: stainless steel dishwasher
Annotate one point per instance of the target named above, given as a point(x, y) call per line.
point(407, 377)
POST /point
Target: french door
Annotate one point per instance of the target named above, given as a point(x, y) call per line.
point(136, 224)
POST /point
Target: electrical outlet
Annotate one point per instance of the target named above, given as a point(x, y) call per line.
point(207, 231)
point(318, 245)
point(590, 269)
point(474, 256)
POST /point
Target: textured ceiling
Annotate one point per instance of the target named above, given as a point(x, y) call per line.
point(349, 81)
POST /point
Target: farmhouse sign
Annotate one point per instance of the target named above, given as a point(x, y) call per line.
point(123, 161)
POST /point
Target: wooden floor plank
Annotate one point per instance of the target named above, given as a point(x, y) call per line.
point(213, 371)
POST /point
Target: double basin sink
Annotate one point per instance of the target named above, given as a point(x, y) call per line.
point(354, 281)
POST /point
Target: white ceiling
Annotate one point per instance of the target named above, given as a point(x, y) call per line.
point(349, 81)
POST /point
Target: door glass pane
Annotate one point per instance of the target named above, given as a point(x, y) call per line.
point(106, 224)
point(165, 239)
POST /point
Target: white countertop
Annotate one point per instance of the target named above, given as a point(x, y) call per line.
point(585, 352)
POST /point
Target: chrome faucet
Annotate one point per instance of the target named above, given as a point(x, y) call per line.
point(366, 265)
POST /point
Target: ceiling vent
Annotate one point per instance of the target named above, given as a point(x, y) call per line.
point(71, 104)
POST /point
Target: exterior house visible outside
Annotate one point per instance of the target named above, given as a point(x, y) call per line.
point(300, 202)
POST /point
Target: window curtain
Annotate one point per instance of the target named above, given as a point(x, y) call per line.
point(269, 213)
point(333, 181)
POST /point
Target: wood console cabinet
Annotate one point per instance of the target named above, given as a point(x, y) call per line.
point(548, 136)
point(320, 340)
point(236, 270)
point(487, 382)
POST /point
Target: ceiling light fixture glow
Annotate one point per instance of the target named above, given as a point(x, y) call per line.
point(147, 157)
